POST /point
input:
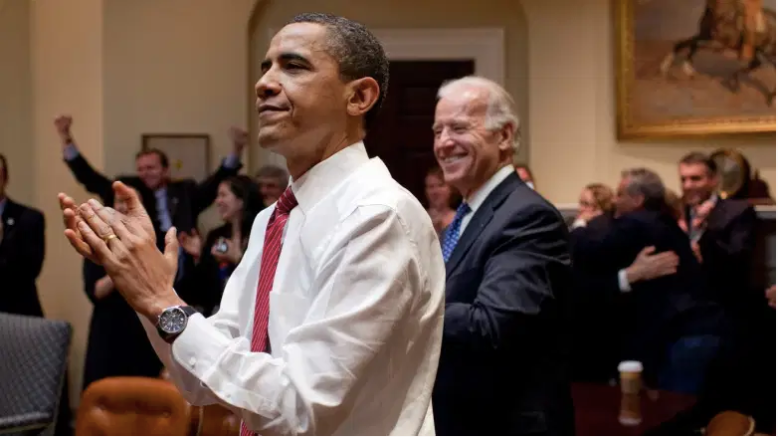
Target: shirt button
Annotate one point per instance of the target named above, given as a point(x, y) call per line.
point(192, 361)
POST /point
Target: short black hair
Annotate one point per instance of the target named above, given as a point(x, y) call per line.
point(701, 158)
point(4, 167)
point(358, 52)
point(162, 156)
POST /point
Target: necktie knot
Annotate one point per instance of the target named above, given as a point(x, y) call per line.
point(462, 209)
point(286, 202)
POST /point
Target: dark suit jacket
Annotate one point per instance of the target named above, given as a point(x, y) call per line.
point(656, 312)
point(21, 258)
point(728, 250)
point(205, 284)
point(186, 198)
point(118, 345)
point(502, 366)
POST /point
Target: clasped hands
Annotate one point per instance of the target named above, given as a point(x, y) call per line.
point(125, 245)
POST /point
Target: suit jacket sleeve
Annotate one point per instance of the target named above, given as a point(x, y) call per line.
point(92, 180)
point(27, 258)
point(516, 284)
point(740, 241)
point(205, 192)
point(92, 273)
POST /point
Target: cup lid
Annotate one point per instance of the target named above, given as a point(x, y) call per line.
point(630, 366)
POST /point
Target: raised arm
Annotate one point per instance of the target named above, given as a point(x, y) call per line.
point(92, 180)
point(205, 192)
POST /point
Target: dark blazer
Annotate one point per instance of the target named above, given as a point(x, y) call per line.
point(728, 249)
point(186, 198)
point(21, 258)
point(206, 283)
point(503, 361)
point(656, 312)
point(118, 345)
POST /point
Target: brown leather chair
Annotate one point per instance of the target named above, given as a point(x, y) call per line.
point(132, 406)
point(730, 423)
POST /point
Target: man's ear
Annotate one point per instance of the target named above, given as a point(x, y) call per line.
point(506, 138)
point(362, 95)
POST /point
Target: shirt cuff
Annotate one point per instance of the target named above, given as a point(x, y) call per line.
point(623, 282)
point(232, 161)
point(579, 223)
point(70, 152)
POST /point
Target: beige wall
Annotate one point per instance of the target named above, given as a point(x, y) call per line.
point(16, 98)
point(123, 68)
point(67, 46)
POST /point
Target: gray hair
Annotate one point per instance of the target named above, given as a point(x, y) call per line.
point(646, 183)
point(274, 172)
point(502, 107)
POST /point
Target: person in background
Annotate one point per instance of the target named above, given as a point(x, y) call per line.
point(722, 234)
point(503, 365)
point(440, 199)
point(117, 344)
point(170, 202)
point(22, 249)
point(525, 174)
point(272, 181)
point(595, 199)
point(238, 202)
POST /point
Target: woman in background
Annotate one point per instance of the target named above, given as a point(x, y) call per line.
point(441, 199)
point(238, 201)
point(118, 345)
point(595, 200)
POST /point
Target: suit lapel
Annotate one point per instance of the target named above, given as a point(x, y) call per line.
point(481, 218)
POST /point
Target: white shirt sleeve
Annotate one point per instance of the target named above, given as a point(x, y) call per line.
point(623, 282)
point(364, 287)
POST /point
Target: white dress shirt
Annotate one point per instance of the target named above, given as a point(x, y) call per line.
point(479, 196)
point(356, 314)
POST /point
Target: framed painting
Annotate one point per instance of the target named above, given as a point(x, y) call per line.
point(187, 153)
point(694, 67)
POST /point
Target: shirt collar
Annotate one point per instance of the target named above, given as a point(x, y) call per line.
point(480, 195)
point(311, 187)
point(3, 202)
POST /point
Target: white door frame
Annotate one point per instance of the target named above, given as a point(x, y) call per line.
point(486, 46)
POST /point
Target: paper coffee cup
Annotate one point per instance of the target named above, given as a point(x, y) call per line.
point(631, 376)
point(629, 413)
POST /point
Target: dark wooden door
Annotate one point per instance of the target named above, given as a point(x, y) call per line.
point(402, 135)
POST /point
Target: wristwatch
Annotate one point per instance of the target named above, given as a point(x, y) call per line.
point(172, 322)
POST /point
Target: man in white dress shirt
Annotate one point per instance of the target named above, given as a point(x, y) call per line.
point(347, 261)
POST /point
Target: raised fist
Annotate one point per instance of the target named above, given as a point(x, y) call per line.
point(63, 123)
point(239, 139)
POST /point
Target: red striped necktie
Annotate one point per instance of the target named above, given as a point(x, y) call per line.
point(267, 273)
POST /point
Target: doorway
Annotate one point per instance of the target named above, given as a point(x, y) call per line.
point(402, 134)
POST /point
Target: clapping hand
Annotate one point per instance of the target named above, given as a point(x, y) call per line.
point(191, 243)
point(125, 245)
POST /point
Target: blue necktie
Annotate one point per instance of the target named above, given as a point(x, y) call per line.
point(452, 232)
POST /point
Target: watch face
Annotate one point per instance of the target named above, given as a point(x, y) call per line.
point(172, 321)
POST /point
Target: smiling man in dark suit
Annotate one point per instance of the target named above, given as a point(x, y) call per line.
point(502, 366)
point(22, 247)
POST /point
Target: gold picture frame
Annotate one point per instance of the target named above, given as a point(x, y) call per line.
point(188, 154)
point(629, 93)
